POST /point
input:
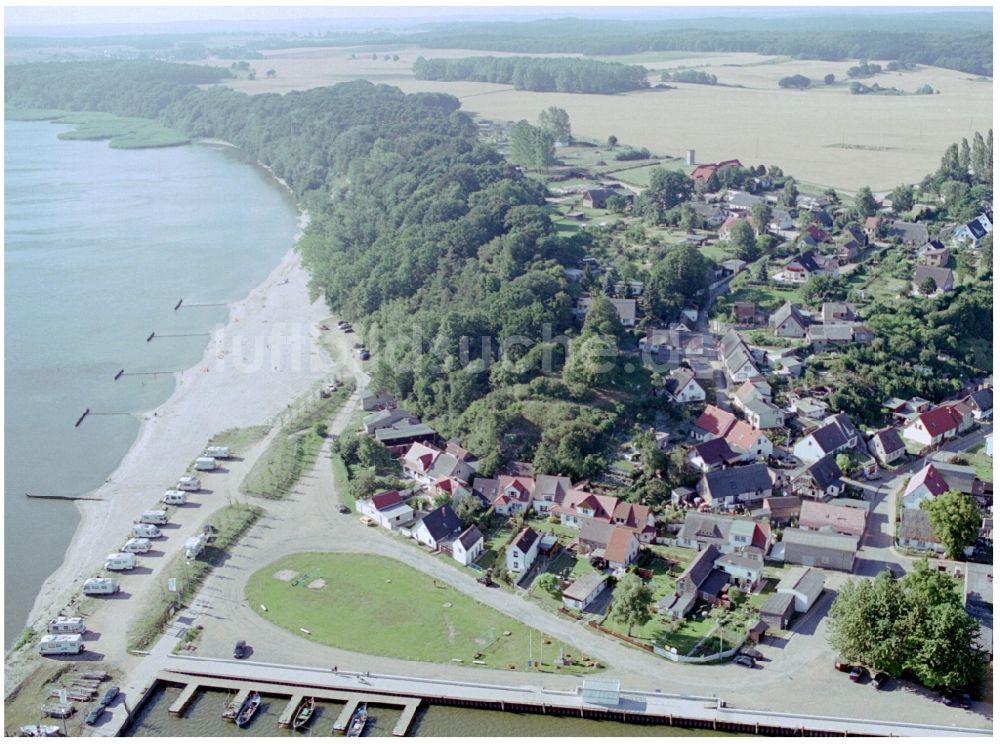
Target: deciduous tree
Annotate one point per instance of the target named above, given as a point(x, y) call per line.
point(630, 602)
point(555, 121)
point(955, 518)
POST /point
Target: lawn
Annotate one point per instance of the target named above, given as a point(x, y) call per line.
point(982, 462)
point(418, 617)
point(239, 440)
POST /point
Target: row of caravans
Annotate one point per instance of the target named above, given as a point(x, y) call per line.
point(65, 634)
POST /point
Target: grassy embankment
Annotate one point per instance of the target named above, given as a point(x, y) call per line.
point(123, 132)
point(239, 440)
point(419, 618)
point(295, 447)
point(231, 522)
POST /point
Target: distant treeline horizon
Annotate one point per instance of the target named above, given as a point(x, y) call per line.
point(542, 74)
point(953, 40)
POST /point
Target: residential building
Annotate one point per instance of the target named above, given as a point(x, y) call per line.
point(388, 509)
point(817, 549)
point(737, 359)
point(745, 568)
point(398, 439)
point(887, 446)
point(911, 233)
point(960, 478)
point(468, 546)
point(821, 337)
point(388, 418)
point(944, 279)
point(725, 230)
point(837, 434)
point(626, 309)
point(973, 232)
point(932, 427)
point(712, 455)
point(915, 531)
point(934, 253)
point(682, 388)
point(438, 528)
point(981, 403)
point(845, 520)
point(726, 534)
point(712, 423)
point(582, 592)
point(838, 312)
point(513, 494)
point(807, 265)
point(789, 322)
point(522, 551)
point(764, 415)
point(804, 584)
point(751, 442)
point(580, 506)
point(820, 480)
point(638, 518)
point(924, 485)
point(781, 510)
point(549, 490)
point(744, 485)
point(598, 198)
point(622, 548)
point(372, 401)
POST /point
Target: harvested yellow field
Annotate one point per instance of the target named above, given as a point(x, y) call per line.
point(823, 135)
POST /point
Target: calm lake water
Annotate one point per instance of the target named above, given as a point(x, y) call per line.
point(100, 245)
point(203, 718)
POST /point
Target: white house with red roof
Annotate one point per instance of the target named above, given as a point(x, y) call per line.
point(933, 426)
point(752, 443)
point(579, 506)
point(513, 494)
point(418, 461)
point(388, 509)
point(636, 517)
point(925, 484)
point(712, 423)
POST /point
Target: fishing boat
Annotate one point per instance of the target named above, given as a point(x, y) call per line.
point(303, 713)
point(358, 720)
point(248, 709)
point(40, 730)
point(229, 712)
point(57, 710)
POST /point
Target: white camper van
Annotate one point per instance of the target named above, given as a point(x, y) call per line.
point(188, 483)
point(174, 496)
point(205, 463)
point(146, 530)
point(153, 516)
point(193, 546)
point(217, 452)
point(69, 643)
point(99, 585)
point(136, 545)
point(67, 625)
point(120, 562)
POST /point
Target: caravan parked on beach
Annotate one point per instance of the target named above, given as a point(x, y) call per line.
point(174, 496)
point(188, 483)
point(64, 625)
point(69, 643)
point(137, 545)
point(218, 452)
point(119, 562)
point(193, 546)
point(100, 585)
point(153, 516)
point(146, 530)
point(205, 463)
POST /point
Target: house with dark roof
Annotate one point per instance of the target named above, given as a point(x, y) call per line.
point(681, 387)
point(626, 309)
point(819, 481)
point(944, 279)
point(886, 446)
point(961, 478)
point(744, 485)
point(857, 233)
point(549, 490)
point(741, 201)
point(388, 418)
point(934, 253)
point(468, 546)
point(911, 233)
point(439, 528)
point(846, 252)
point(789, 322)
point(817, 549)
point(399, 438)
point(974, 231)
point(981, 403)
point(522, 551)
point(916, 533)
point(725, 533)
point(837, 434)
point(712, 455)
point(838, 312)
point(745, 568)
point(932, 427)
point(845, 520)
point(807, 265)
point(598, 198)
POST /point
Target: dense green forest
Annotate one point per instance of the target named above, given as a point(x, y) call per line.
point(564, 75)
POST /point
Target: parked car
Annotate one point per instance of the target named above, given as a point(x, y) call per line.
point(94, 715)
point(857, 674)
point(753, 653)
point(957, 699)
point(744, 660)
point(241, 650)
point(486, 581)
point(109, 696)
point(343, 509)
point(367, 521)
point(841, 666)
point(879, 679)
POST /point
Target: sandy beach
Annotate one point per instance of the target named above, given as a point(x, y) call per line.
point(267, 355)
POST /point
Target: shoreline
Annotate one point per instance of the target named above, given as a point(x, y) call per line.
point(219, 392)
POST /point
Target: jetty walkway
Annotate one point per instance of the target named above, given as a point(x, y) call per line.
point(636, 706)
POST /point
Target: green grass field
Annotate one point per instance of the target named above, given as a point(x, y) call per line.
point(124, 132)
point(417, 617)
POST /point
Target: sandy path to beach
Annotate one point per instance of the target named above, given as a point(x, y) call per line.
point(266, 356)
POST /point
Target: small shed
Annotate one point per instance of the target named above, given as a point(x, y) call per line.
point(777, 610)
point(756, 631)
point(601, 691)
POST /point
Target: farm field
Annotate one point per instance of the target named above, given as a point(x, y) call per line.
point(334, 597)
point(805, 132)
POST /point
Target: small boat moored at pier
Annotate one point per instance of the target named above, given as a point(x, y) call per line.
point(358, 720)
point(248, 709)
point(303, 713)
